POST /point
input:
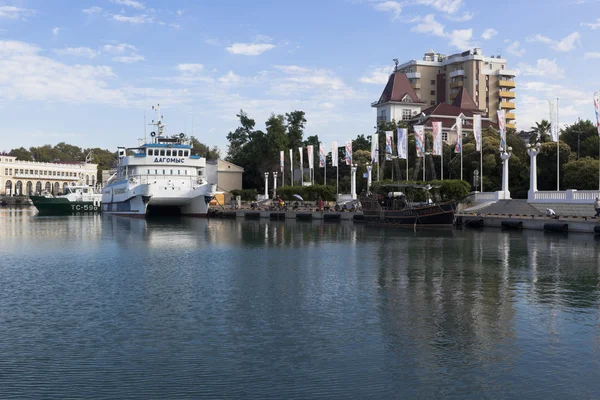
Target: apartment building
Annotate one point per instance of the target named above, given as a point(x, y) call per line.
point(437, 78)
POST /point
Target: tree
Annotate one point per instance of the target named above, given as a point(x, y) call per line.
point(546, 164)
point(581, 174)
point(238, 138)
point(204, 150)
point(21, 153)
point(582, 135)
point(295, 128)
point(361, 143)
point(276, 139)
point(43, 153)
point(541, 130)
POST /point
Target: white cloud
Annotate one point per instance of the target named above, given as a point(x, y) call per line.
point(230, 78)
point(467, 16)
point(130, 59)
point(568, 43)
point(118, 48)
point(191, 68)
point(130, 3)
point(77, 52)
point(92, 10)
point(137, 19)
point(447, 6)
point(515, 49)
point(378, 76)
point(591, 55)
point(175, 26)
point(389, 6)
point(461, 38)
point(489, 33)
point(301, 78)
point(543, 68)
point(592, 25)
point(428, 24)
point(249, 49)
point(179, 13)
point(55, 31)
point(12, 12)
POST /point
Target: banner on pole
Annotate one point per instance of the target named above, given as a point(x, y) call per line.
point(334, 153)
point(374, 148)
point(311, 159)
point(459, 135)
point(553, 120)
point(502, 127)
point(402, 143)
point(322, 155)
point(349, 152)
point(388, 145)
point(300, 150)
point(477, 131)
point(437, 138)
point(419, 140)
point(597, 110)
point(281, 161)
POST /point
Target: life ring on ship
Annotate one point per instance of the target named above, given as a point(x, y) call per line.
point(132, 180)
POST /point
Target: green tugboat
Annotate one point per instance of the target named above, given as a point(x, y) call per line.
point(76, 200)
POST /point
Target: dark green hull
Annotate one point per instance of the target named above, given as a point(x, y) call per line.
point(62, 206)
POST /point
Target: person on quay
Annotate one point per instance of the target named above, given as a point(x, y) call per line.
point(550, 213)
point(597, 207)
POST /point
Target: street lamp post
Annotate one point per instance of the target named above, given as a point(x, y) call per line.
point(533, 151)
point(505, 154)
point(353, 181)
point(266, 185)
point(369, 169)
point(275, 184)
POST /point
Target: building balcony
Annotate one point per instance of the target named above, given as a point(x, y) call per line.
point(510, 116)
point(456, 84)
point(459, 72)
point(47, 177)
point(507, 72)
point(413, 75)
point(506, 84)
point(511, 126)
point(506, 94)
point(507, 105)
point(416, 86)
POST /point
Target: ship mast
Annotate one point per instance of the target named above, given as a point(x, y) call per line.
point(158, 124)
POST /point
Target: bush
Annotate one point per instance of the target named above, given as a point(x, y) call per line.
point(246, 194)
point(308, 193)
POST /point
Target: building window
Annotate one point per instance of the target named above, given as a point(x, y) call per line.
point(432, 82)
point(406, 115)
point(432, 103)
point(444, 135)
point(432, 93)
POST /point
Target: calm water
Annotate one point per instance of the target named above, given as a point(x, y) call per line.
point(104, 307)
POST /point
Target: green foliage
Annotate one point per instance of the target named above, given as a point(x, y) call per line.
point(308, 193)
point(449, 189)
point(21, 153)
point(582, 174)
point(246, 194)
point(452, 189)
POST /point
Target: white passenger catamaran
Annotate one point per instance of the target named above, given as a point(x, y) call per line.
point(159, 177)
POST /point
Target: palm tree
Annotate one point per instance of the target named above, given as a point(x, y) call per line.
point(541, 131)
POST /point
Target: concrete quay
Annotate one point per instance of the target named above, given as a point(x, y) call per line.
point(536, 222)
point(301, 215)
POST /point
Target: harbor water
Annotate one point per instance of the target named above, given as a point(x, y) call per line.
point(108, 307)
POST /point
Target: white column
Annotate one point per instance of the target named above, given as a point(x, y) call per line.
point(353, 181)
point(266, 185)
point(505, 155)
point(369, 180)
point(533, 151)
point(274, 185)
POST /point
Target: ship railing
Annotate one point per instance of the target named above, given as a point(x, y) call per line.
point(145, 179)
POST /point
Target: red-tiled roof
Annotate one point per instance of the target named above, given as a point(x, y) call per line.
point(398, 86)
point(438, 112)
point(464, 100)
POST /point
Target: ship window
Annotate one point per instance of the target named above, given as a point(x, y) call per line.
point(149, 151)
point(168, 153)
point(171, 172)
point(162, 152)
point(148, 172)
point(180, 153)
point(186, 153)
point(164, 172)
point(186, 171)
point(155, 172)
point(178, 172)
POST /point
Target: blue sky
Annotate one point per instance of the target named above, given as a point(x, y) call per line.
point(85, 72)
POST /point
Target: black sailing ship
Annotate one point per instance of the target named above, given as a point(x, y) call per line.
point(395, 209)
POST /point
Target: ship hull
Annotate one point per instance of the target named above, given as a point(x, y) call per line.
point(430, 215)
point(62, 206)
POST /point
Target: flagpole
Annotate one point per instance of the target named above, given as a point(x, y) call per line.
point(481, 165)
point(442, 160)
point(557, 150)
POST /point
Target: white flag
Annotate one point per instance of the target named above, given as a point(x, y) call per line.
point(597, 111)
point(311, 161)
point(402, 143)
point(502, 127)
point(349, 152)
point(301, 159)
point(477, 131)
point(334, 153)
point(322, 155)
point(388, 145)
point(281, 160)
point(374, 148)
point(420, 140)
point(459, 135)
point(553, 121)
point(437, 138)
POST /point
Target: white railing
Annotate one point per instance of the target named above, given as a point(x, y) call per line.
point(47, 177)
point(458, 72)
point(565, 196)
point(413, 75)
point(485, 196)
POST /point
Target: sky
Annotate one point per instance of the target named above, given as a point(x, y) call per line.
point(87, 72)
